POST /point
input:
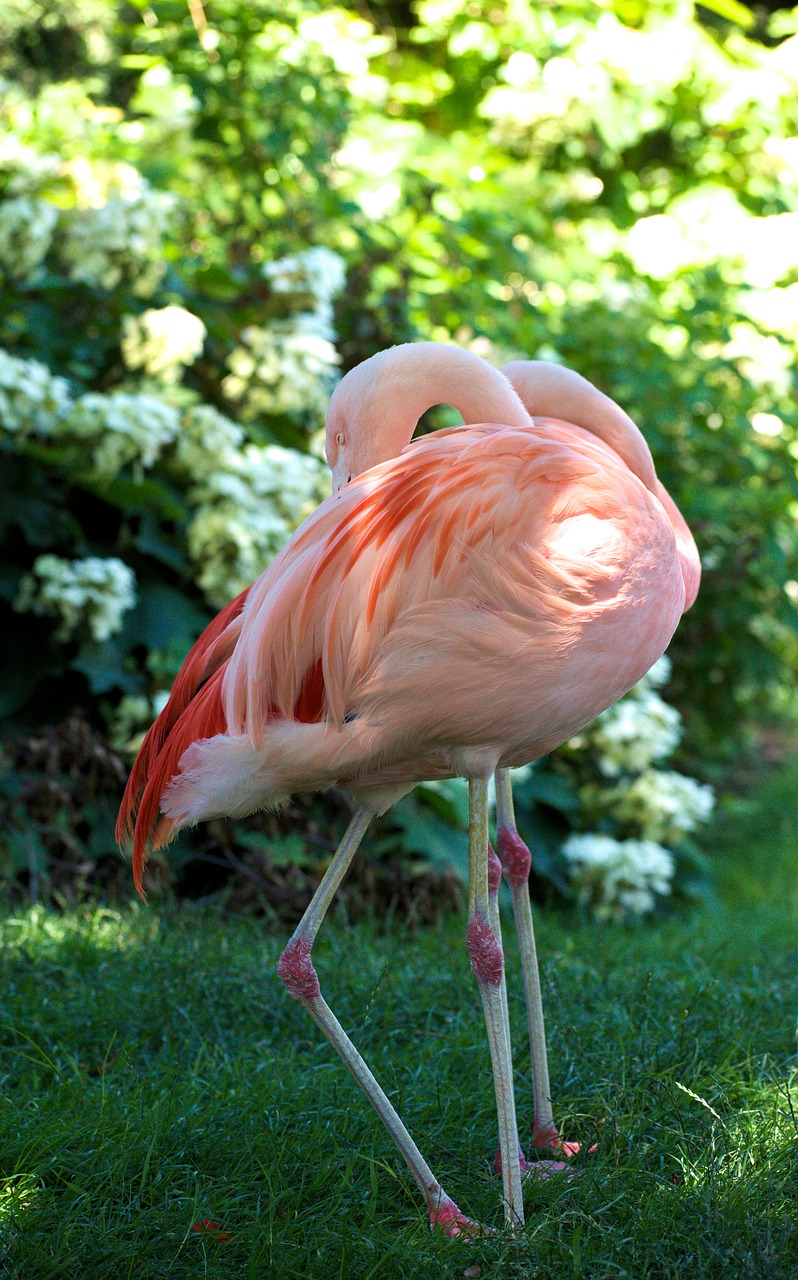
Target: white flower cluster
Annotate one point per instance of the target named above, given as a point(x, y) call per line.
point(246, 500)
point(247, 511)
point(208, 443)
point(162, 342)
point(23, 170)
point(93, 592)
point(26, 233)
point(32, 400)
point(123, 428)
point(291, 366)
point(316, 275)
point(120, 240)
point(641, 728)
point(620, 877)
point(664, 805)
point(281, 371)
point(114, 230)
point(617, 878)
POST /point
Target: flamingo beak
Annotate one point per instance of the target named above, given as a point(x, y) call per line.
point(340, 477)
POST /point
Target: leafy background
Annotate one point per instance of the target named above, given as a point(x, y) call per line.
point(610, 184)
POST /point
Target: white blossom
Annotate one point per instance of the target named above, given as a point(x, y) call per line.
point(93, 592)
point(295, 481)
point(94, 182)
point(664, 805)
point(26, 233)
point(121, 240)
point(616, 878)
point(246, 512)
point(317, 271)
point(635, 732)
point(123, 428)
point(32, 400)
point(291, 367)
point(24, 170)
point(162, 342)
point(766, 361)
point(208, 442)
point(281, 370)
point(656, 677)
point(231, 546)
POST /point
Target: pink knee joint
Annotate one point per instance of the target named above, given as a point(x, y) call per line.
point(446, 1216)
point(295, 969)
point(516, 858)
point(494, 871)
point(487, 958)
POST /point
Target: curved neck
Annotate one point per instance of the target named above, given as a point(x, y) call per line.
point(551, 391)
point(437, 374)
point(375, 409)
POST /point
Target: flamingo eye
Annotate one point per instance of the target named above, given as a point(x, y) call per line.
point(340, 438)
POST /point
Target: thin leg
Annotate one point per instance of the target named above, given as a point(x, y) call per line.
point(487, 964)
point(295, 968)
point(494, 880)
point(516, 860)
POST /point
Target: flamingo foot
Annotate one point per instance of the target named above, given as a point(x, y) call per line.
point(541, 1169)
point(549, 1139)
point(447, 1218)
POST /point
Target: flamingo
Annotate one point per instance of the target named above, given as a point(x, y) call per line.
point(463, 606)
point(546, 390)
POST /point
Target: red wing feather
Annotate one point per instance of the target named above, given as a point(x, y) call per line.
point(203, 718)
point(206, 655)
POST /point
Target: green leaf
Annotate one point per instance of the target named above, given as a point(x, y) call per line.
point(545, 787)
point(427, 835)
point(163, 615)
point(732, 11)
point(138, 496)
point(150, 541)
point(103, 665)
point(282, 851)
point(26, 849)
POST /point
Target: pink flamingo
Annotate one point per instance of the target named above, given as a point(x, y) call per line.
point(546, 391)
point(464, 607)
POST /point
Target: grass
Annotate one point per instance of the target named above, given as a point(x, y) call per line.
point(154, 1074)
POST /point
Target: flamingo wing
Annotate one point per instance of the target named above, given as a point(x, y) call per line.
point(469, 547)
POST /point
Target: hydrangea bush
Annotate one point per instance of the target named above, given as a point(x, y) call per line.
point(94, 593)
point(633, 818)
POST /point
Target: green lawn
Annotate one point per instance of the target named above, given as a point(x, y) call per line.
point(154, 1074)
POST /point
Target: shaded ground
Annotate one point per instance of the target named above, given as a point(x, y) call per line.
point(60, 789)
point(154, 1074)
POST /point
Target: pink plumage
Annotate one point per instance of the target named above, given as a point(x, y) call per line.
point(424, 611)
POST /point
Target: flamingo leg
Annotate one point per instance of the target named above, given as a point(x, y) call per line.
point(487, 964)
point(295, 969)
point(516, 861)
point(494, 880)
